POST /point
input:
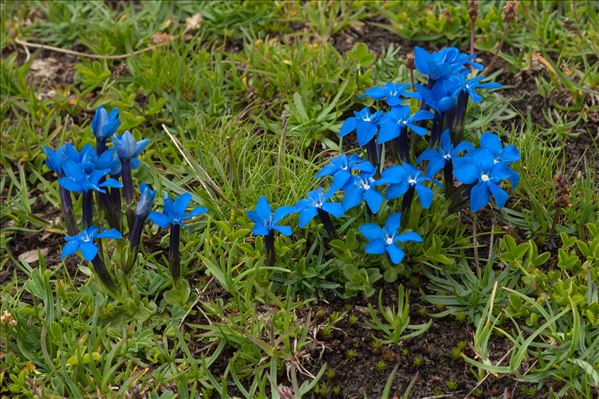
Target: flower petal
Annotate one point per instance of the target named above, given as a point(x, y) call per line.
point(393, 222)
point(395, 253)
point(69, 249)
point(352, 198)
point(263, 208)
point(375, 247)
point(285, 230)
point(334, 208)
point(425, 194)
point(159, 219)
point(499, 194)
point(371, 231)
point(112, 233)
point(465, 171)
point(306, 216)
point(88, 250)
point(410, 236)
point(374, 200)
point(348, 126)
point(282, 212)
point(479, 196)
point(181, 203)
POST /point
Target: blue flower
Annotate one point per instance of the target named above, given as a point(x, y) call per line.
point(146, 199)
point(77, 179)
point(384, 240)
point(55, 159)
point(401, 178)
point(399, 118)
point(84, 242)
point(391, 93)
point(443, 96)
point(317, 199)
point(445, 152)
point(364, 123)
point(126, 146)
point(474, 83)
point(480, 167)
point(174, 211)
point(266, 221)
point(104, 125)
point(109, 160)
point(361, 188)
point(341, 168)
point(508, 154)
point(443, 63)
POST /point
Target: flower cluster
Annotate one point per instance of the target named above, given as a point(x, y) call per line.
point(107, 172)
point(434, 111)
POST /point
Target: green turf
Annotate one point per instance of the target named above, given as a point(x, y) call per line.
point(228, 91)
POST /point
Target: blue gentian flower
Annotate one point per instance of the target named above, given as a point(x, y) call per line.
point(266, 221)
point(401, 178)
point(146, 199)
point(480, 167)
point(55, 159)
point(399, 118)
point(384, 240)
point(317, 199)
point(174, 211)
point(341, 168)
point(104, 125)
point(443, 95)
point(361, 188)
point(78, 180)
point(445, 152)
point(391, 93)
point(126, 146)
point(364, 123)
point(508, 154)
point(84, 242)
point(474, 83)
point(109, 160)
point(443, 63)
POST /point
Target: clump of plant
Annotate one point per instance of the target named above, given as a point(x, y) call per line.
point(102, 178)
point(419, 129)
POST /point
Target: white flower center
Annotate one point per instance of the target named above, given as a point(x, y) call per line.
point(484, 177)
point(447, 156)
point(412, 180)
point(344, 167)
point(366, 118)
point(318, 204)
point(389, 240)
point(467, 86)
point(496, 161)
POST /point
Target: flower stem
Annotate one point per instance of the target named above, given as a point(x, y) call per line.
point(406, 203)
point(269, 243)
point(457, 130)
point(100, 146)
point(448, 175)
point(88, 208)
point(103, 273)
point(128, 192)
point(115, 206)
point(135, 240)
point(437, 128)
point(373, 151)
point(402, 145)
point(325, 217)
point(67, 211)
point(174, 252)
